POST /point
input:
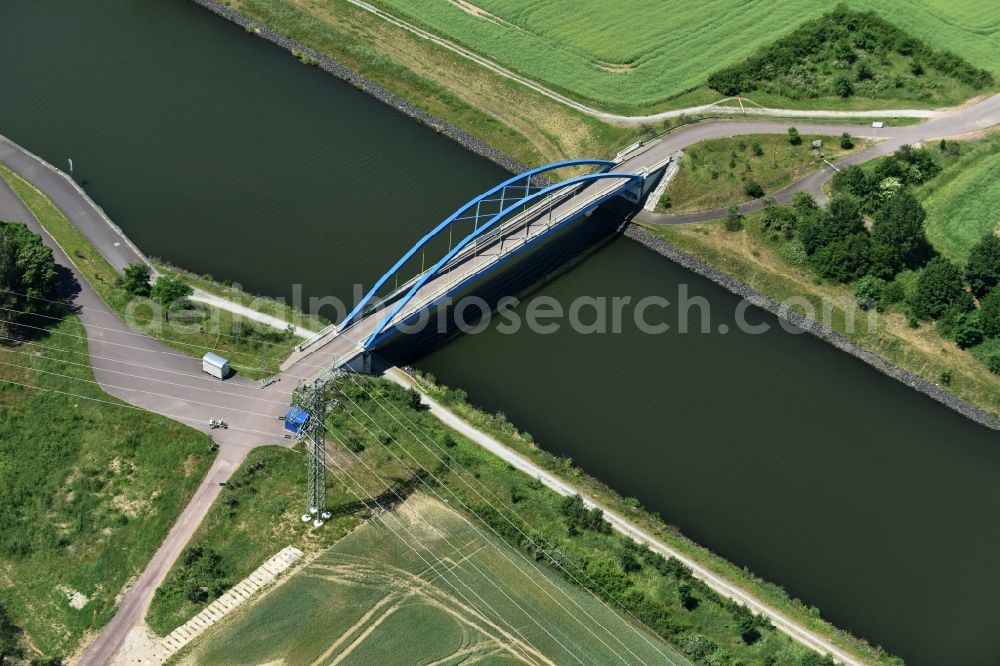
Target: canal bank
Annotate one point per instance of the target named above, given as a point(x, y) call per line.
point(814, 327)
point(195, 200)
point(308, 55)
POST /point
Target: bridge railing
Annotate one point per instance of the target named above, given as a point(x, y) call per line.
point(520, 181)
point(373, 304)
point(407, 309)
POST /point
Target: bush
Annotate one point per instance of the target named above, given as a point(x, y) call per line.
point(200, 576)
point(868, 291)
point(846, 142)
point(779, 219)
point(793, 136)
point(939, 285)
point(842, 86)
point(983, 268)
point(10, 639)
point(803, 203)
point(753, 189)
point(734, 221)
point(989, 314)
point(794, 253)
point(892, 293)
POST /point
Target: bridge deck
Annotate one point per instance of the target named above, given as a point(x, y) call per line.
point(510, 237)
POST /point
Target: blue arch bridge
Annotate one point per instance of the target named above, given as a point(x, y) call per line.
point(479, 236)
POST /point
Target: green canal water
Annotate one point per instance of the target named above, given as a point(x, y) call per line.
point(222, 154)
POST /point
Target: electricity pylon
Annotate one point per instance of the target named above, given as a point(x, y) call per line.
point(313, 400)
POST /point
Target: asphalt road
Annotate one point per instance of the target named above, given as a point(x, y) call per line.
point(964, 120)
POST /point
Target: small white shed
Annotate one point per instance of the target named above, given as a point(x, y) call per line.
point(215, 365)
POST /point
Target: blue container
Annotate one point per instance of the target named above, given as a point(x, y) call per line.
point(296, 419)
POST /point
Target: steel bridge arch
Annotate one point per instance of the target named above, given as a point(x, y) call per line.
point(628, 178)
point(459, 214)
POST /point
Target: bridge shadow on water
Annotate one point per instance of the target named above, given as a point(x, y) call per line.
point(522, 276)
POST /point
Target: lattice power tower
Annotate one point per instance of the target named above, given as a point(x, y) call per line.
point(307, 419)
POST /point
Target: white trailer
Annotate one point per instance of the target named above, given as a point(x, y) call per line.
point(215, 365)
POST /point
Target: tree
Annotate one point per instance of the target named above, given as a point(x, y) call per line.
point(841, 220)
point(734, 221)
point(989, 314)
point(753, 189)
point(854, 180)
point(846, 142)
point(917, 165)
point(844, 259)
point(983, 268)
point(778, 219)
point(803, 202)
point(27, 273)
point(136, 279)
point(969, 331)
point(686, 597)
point(168, 289)
point(939, 285)
point(842, 86)
point(898, 239)
point(868, 291)
point(746, 624)
point(865, 71)
point(793, 136)
point(629, 562)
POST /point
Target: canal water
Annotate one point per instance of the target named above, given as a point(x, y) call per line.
point(222, 154)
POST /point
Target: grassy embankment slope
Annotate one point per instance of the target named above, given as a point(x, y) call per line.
point(258, 515)
point(714, 174)
point(647, 57)
point(963, 202)
point(256, 352)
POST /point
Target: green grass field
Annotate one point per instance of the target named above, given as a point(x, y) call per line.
point(635, 56)
point(713, 174)
point(88, 489)
point(963, 202)
point(371, 599)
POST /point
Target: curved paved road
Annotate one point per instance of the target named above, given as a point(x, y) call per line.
point(972, 118)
